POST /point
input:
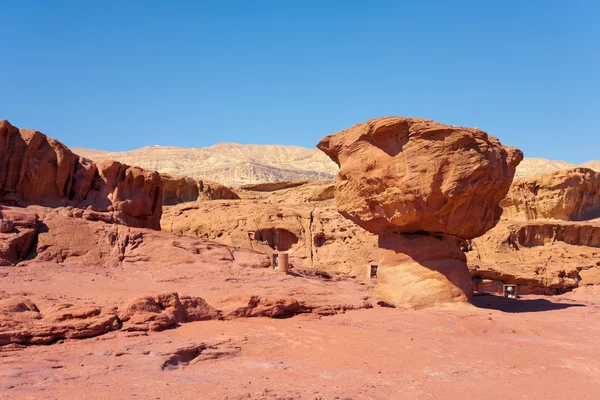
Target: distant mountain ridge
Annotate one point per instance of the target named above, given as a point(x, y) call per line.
point(538, 166)
point(235, 164)
point(228, 163)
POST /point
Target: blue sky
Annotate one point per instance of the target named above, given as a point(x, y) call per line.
point(119, 75)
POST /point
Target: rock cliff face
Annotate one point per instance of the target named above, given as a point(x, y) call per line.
point(550, 240)
point(570, 195)
point(178, 189)
point(36, 169)
point(422, 187)
point(542, 257)
point(314, 234)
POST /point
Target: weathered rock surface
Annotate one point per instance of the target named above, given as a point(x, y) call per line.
point(544, 244)
point(17, 236)
point(406, 175)
point(542, 257)
point(82, 275)
point(422, 186)
point(21, 322)
point(158, 312)
point(178, 189)
point(569, 195)
point(36, 169)
point(314, 234)
point(417, 271)
point(381, 353)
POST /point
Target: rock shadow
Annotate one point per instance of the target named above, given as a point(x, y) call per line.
point(492, 302)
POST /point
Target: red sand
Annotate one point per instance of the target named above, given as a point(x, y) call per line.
point(540, 348)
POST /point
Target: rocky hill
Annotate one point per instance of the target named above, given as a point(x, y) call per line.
point(228, 163)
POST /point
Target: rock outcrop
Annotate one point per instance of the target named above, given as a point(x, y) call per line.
point(314, 234)
point(422, 186)
point(36, 169)
point(569, 195)
point(177, 189)
point(549, 241)
point(542, 257)
point(162, 311)
point(17, 236)
point(78, 277)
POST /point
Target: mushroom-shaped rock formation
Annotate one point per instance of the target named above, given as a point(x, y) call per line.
point(422, 187)
point(36, 169)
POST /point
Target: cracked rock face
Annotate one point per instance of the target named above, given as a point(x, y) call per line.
point(36, 169)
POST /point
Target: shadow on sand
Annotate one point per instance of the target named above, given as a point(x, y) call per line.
point(500, 303)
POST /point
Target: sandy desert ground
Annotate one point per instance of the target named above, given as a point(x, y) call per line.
point(532, 348)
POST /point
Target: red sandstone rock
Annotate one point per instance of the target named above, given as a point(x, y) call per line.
point(403, 176)
point(158, 312)
point(81, 274)
point(36, 169)
point(21, 322)
point(17, 236)
point(417, 271)
point(255, 306)
point(407, 175)
point(314, 235)
point(570, 195)
point(184, 189)
point(542, 257)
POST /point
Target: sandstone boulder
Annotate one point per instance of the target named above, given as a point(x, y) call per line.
point(17, 236)
point(570, 195)
point(36, 169)
point(423, 187)
point(407, 175)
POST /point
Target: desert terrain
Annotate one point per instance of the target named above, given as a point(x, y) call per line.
point(235, 164)
point(151, 279)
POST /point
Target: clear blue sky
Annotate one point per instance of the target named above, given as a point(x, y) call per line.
point(119, 75)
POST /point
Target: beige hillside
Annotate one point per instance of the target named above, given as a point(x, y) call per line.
point(228, 163)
